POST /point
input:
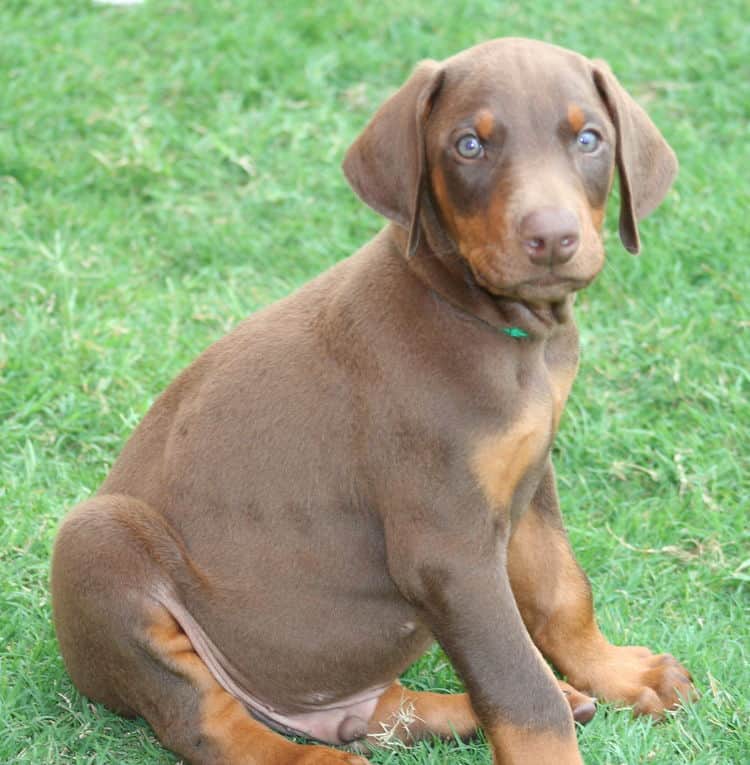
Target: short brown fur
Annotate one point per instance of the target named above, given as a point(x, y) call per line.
point(363, 467)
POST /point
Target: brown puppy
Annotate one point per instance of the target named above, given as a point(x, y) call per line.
point(363, 467)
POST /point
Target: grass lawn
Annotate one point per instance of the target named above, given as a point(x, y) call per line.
point(168, 168)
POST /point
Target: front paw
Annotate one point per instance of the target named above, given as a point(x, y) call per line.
point(323, 755)
point(582, 706)
point(634, 676)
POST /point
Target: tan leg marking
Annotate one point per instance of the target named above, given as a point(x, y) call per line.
point(407, 716)
point(555, 601)
point(522, 746)
point(634, 676)
point(227, 732)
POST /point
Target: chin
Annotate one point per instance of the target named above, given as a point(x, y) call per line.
point(546, 287)
point(535, 291)
point(548, 291)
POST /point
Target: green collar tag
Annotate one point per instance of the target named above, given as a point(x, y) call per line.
point(516, 332)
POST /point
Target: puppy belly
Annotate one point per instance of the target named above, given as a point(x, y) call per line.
point(324, 710)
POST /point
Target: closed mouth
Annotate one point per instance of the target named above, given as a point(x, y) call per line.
point(550, 285)
point(552, 280)
point(557, 285)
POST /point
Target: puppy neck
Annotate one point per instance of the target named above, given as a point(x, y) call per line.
point(449, 277)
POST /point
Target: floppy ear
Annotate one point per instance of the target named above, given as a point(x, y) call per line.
point(646, 163)
point(385, 164)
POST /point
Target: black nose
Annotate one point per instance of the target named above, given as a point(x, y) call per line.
point(550, 236)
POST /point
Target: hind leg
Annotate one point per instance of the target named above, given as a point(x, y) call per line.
point(408, 716)
point(124, 649)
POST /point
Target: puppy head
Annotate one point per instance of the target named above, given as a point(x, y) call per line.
point(508, 151)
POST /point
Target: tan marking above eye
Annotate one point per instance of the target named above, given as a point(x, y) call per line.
point(576, 118)
point(484, 124)
point(516, 743)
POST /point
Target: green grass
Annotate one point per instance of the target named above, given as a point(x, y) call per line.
point(167, 169)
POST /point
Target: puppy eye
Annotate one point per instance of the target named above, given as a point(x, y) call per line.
point(469, 146)
point(588, 141)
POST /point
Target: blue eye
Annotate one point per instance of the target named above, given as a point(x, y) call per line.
point(588, 141)
point(469, 146)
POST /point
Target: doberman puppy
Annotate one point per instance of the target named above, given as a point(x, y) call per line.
point(364, 467)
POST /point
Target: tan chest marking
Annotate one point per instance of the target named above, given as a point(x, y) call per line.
point(561, 381)
point(500, 461)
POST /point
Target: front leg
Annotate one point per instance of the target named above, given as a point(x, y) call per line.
point(456, 576)
point(554, 597)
